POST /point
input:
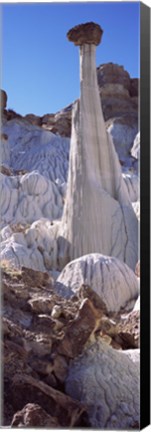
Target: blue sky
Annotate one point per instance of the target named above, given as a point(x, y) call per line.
point(40, 68)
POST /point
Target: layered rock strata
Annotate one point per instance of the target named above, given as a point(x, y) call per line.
point(97, 200)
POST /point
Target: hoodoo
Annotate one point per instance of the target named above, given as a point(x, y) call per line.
point(98, 215)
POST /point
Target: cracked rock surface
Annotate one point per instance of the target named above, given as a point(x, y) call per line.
point(108, 382)
point(114, 282)
point(23, 197)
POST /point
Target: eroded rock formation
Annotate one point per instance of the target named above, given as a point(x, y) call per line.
point(107, 381)
point(97, 200)
point(79, 335)
point(99, 272)
point(42, 333)
point(23, 197)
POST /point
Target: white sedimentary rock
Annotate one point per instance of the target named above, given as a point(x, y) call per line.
point(35, 248)
point(4, 150)
point(123, 136)
point(136, 207)
point(32, 148)
point(132, 184)
point(98, 215)
point(110, 278)
point(108, 382)
point(135, 151)
point(5, 233)
point(137, 305)
point(26, 198)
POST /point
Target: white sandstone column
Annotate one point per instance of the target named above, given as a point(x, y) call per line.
point(98, 215)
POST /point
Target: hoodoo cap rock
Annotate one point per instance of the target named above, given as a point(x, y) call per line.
point(88, 33)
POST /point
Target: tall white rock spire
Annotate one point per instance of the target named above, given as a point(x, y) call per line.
point(98, 215)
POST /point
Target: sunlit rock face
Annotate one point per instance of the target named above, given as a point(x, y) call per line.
point(123, 131)
point(32, 148)
point(25, 197)
point(33, 176)
point(99, 272)
point(135, 151)
point(98, 215)
point(107, 381)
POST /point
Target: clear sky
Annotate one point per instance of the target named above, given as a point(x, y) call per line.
point(40, 67)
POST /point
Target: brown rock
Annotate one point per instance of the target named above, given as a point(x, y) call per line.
point(20, 172)
point(128, 119)
point(126, 340)
point(35, 278)
point(42, 305)
point(33, 119)
point(4, 136)
point(26, 389)
point(3, 99)
point(14, 358)
point(39, 350)
point(80, 329)
point(32, 415)
point(42, 367)
point(48, 119)
point(60, 368)
point(134, 87)
point(88, 33)
point(112, 73)
point(6, 170)
point(118, 91)
point(128, 331)
point(59, 123)
point(11, 114)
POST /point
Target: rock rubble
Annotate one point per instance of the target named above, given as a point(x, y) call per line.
point(44, 335)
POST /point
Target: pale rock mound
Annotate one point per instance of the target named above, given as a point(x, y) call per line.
point(110, 278)
point(123, 132)
point(35, 247)
point(32, 148)
point(108, 382)
point(26, 198)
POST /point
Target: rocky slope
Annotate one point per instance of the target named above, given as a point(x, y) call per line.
point(42, 335)
point(70, 338)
